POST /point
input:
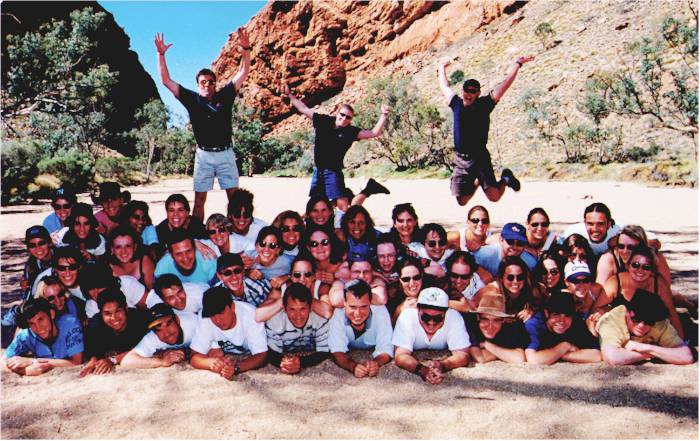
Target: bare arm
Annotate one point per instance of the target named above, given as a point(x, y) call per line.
point(271, 306)
point(458, 358)
point(583, 356)
point(344, 361)
point(677, 355)
point(253, 362)
point(337, 294)
point(515, 355)
point(667, 298)
point(378, 292)
point(161, 48)
point(606, 265)
point(242, 74)
point(297, 103)
point(617, 356)
point(378, 128)
point(134, 360)
point(498, 91)
point(442, 80)
point(547, 356)
point(482, 355)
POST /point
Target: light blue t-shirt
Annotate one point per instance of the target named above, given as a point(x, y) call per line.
point(204, 270)
point(52, 223)
point(377, 334)
point(149, 235)
point(281, 266)
point(68, 343)
point(490, 257)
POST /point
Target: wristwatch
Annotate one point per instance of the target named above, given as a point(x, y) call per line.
point(236, 368)
point(113, 360)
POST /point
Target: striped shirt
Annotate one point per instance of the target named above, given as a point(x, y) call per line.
point(284, 337)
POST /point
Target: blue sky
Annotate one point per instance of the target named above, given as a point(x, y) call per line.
point(198, 31)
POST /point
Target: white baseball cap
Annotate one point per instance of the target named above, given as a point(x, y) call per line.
point(434, 298)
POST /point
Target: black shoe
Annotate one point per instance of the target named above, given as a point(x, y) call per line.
point(374, 187)
point(509, 178)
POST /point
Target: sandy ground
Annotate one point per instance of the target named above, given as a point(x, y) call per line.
point(491, 401)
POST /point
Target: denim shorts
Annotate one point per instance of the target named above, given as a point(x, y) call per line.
point(208, 165)
point(329, 183)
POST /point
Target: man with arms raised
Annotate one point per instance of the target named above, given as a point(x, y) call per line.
point(360, 325)
point(431, 326)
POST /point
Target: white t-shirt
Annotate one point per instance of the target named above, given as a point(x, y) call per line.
point(337, 218)
point(255, 226)
point(133, 291)
point(75, 291)
point(377, 334)
point(410, 335)
point(247, 336)
point(194, 292)
point(97, 251)
point(237, 244)
point(475, 284)
point(598, 248)
point(419, 249)
point(150, 343)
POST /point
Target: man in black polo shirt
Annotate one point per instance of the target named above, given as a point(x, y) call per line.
point(210, 115)
point(471, 115)
point(334, 137)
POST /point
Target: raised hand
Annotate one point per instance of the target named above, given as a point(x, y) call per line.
point(161, 47)
point(525, 59)
point(386, 109)
point(285, 88)
point(243, 39)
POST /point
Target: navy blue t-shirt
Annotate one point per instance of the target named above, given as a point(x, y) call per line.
point(511, 336)
point(471, 125)
point(211, 120)
point(542, 338)
point(331, 142)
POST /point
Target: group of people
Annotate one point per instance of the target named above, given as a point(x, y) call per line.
point(233, 293)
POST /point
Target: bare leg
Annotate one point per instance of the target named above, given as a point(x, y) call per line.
point(200, 197)
point(358, 199)
point(462, 200)
point(495, 193)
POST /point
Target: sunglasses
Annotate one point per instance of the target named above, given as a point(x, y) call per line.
point(62, 206)
point(518, 277)
point(476, 220)
point(55, 297)
point(207, 82)
point(538, 224)
point(436, 243)
point(229, 272)
point(461, 276)
point(346, 116)
point(217, 230)
point(436, 318)
point(580, 281)
point(314, 244)
point(470, 90)
point(406, 279)
point(625, 246)
point(553, 271)
point(298, 274)
point(32, 245)
point(288, 229)
point(645, 267)
point(637, 320)
point(270, 245)
point(243, 215)
point(515, 242)
point(71, 267)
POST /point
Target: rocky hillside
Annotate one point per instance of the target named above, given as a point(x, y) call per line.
point(327, 50)
point(135, 87)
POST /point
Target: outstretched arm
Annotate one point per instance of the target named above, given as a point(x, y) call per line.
point(501, 88)
point(378, 128)
point(161, 48)
point(442, 80)
point(296, 102)
point(244, 43)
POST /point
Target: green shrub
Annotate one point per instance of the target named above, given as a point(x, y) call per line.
point(118, 168)
point(19, 169)
point(456, 77)
point(545, 33)
point(71, 167)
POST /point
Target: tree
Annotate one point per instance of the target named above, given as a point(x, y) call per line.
point(151, 133)
point(545, 32)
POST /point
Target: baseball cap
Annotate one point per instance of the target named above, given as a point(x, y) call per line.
point(111, 190)
point(434, 298)
point(159, 312)
point(471, 83)
point(575, 269)
point(63, 193)
point(514, 231)
point(36, 231)
point(493, 304)
point(561, 303)
point(228, 259)
point(215, 300)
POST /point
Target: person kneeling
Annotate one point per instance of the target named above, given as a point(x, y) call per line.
point(168, 342)
point(559, 333)
point(296, 336)
point(495, 338)
point(231, 325)
point(360, 325)
point(431, 326)
point(52, 342)
point(641, 331)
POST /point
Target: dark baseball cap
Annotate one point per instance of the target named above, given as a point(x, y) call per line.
point(227, 260)
point(36, 231)
point(215, 300)
point(64, 193)
point(159, 312)
point(471, 84)
point(561, 303)
point(514, 231)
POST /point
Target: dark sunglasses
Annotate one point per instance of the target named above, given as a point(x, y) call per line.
point(476, 220)
point(71, 267)
point(645, 267)
point(55, 297)
point(243, 215)
point(406, 279)
point(461, 276)
point(553, 271)
point(515, 242)
point(580, 281)
point(288, 229)
point(207, 82)
point(436, 243)
point(32, 245)
point(298, 274)
point(518, 277)
point(217, 230)
point(538, 224)
point(346, 116)
point(436, 318)
point(314, 244)
point(62, 206)
point(636, 320)
point(270, 245)
point(470, 90)
point(228, 272)
point(624, 246)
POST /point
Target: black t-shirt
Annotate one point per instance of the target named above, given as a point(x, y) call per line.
point(211, 120)
point(101, 340)
point(331, 143)
point(195, 229)
point(512, 335)
point(471, 125)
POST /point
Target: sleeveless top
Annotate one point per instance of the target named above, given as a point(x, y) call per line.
point(621, 300)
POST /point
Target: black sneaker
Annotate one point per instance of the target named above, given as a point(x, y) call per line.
point(510, 179)
point(374, 187)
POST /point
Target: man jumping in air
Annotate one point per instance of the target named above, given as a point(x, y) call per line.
point(471, 130)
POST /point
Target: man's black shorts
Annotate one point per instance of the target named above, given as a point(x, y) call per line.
point(467, 170)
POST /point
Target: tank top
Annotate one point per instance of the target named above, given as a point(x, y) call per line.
point(621, 300)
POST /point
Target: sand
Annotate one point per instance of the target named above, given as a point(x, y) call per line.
point(485, 401)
